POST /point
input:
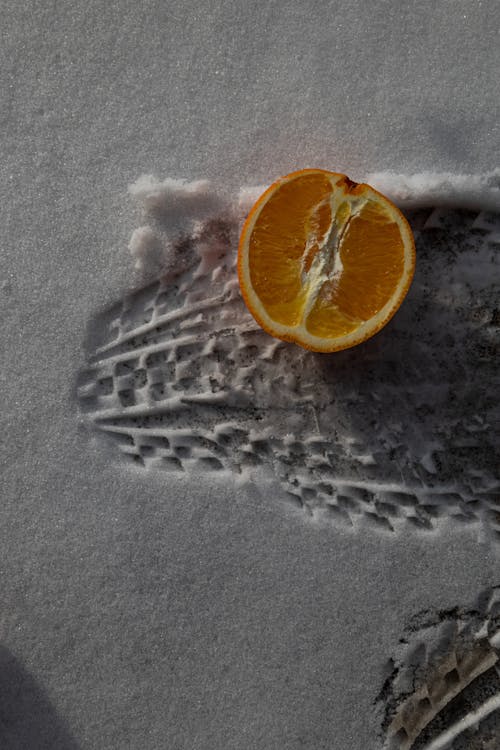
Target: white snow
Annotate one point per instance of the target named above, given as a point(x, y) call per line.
point(176, 199)
point(480, 192)
point(147, 248)
point(146, 609)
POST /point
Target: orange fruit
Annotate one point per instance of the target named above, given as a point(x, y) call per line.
point(323, 261)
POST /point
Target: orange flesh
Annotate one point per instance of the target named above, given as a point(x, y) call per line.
point(278, 245)
point(330, 276)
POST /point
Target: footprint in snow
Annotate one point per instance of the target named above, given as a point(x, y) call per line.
point(400, 431)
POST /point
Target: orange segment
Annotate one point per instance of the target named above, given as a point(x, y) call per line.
point(291, 224)
point(372, 258)
point(323, 261)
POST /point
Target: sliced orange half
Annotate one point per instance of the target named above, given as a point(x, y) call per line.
point(323, 261)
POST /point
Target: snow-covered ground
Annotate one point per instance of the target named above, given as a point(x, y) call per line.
point(281, 569)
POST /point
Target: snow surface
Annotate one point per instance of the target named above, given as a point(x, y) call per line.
point(141, 609)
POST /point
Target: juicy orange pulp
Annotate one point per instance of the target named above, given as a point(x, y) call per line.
point(323, 261)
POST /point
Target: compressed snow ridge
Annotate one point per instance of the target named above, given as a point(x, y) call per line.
point(474, 192)
point(176, 196)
